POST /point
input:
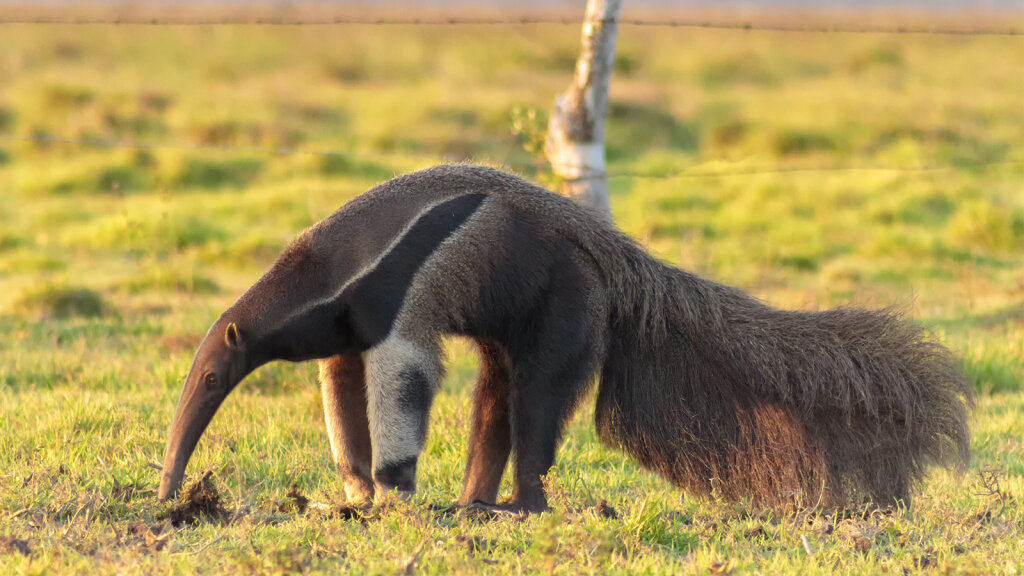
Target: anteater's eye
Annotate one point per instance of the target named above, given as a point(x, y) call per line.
point(210, 380)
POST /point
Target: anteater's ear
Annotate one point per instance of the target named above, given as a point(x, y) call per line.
point(232, 338)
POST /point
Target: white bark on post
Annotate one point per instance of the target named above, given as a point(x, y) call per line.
point(575, 142)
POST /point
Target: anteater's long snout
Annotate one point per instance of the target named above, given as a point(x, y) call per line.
point(194, 413)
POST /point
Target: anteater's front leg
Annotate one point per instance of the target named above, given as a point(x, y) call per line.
point(402, 376)
point(344, 392)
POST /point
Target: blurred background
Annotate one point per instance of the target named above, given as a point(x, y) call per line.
point(155, 157)
point(854, 154)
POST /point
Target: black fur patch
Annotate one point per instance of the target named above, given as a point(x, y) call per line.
point(415, 397)
point(401, 475)
point(376, 298)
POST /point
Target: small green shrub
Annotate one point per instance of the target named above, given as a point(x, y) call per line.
point(799, 262)
point(120, 179)
point(795, 142)
point(240, 133)
point(60, 301)
point(744, 69)
point(117, 172)
point(9, 241)
point(186, 232)
point(145, 233)
point(651, 123)
point(7, 117)
point(723, 133)
point(63, 97)
point(154, 102)
point(982, 226)
point(168, 279)
point(626, 64)
point(877, 57)
point(196, 172)
point(994, 368)
point(342, 165)
point(24, 260)
point(121, 125)
point(348, 71)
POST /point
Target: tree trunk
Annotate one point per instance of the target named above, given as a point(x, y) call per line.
point(575, 143)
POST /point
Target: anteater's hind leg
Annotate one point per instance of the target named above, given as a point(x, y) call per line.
point(490, 438)
point(542, 401)
point(344, 393)
point(549, 375)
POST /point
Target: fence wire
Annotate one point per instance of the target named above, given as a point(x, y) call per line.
point(693, 171)
point(814, 28)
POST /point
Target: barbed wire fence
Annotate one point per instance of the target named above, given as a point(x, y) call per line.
point(698, 170)
point(812, 28)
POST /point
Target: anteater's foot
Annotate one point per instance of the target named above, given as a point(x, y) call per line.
point(496, 511)
point(507, 510)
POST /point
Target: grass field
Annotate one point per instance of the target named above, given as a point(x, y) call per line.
point(812, 170)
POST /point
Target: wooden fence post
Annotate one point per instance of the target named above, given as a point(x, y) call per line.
point(575, 141)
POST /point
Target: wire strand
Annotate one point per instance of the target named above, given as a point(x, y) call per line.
point(525, 21)
point(693, 171)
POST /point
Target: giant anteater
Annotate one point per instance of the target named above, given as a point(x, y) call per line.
point(697, 381)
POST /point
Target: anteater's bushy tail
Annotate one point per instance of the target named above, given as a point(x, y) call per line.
point(722, 394)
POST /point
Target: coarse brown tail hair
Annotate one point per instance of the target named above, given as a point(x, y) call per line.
point(725, 395)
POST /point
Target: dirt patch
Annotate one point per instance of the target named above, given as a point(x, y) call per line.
point(925, 561)
point(10, 545)
point(754, 532)
point(200, 500)
point(349, 513)
point(861, 544)
point(475, 544)
point(294, 501)
point(340, 511)
point(149, 536)
point(605, 510)
point(445, 511)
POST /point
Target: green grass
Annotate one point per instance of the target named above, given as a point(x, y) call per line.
point(812, 170)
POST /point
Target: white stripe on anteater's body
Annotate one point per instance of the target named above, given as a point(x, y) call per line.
point(380, 250)
point(402, 361)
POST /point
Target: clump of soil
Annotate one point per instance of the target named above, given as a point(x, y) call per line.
point(295, 502)
point(754, 531)
point(445, 511)
point(8, 545)
point(605, 510)
point(476, 544)
point(344, 512)
point(150, 536)
point(200, 499)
